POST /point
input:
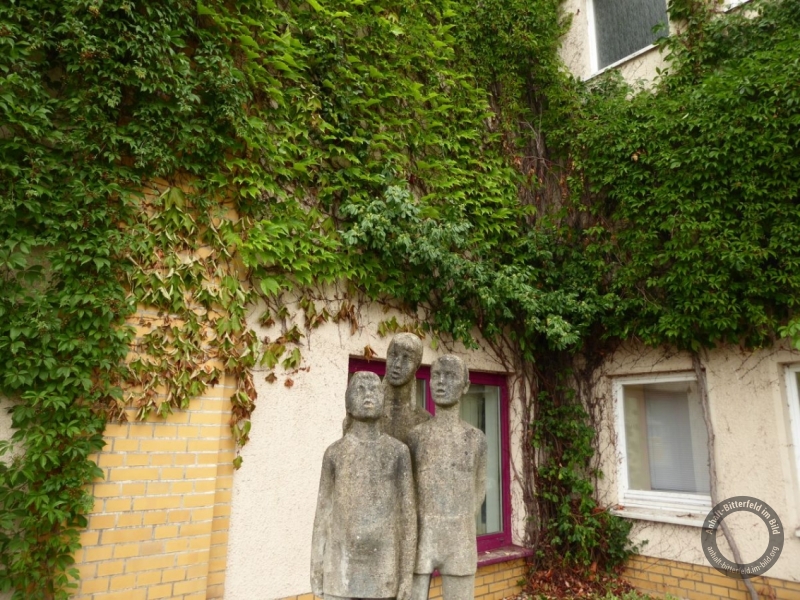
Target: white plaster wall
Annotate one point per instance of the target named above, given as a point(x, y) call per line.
point(275, 491)
point(5, 427)
point(754, 448)
point(641, 69)
point(575, 44)
point(5, 434)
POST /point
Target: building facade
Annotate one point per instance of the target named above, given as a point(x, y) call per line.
point(654, 444)
point(173, 519)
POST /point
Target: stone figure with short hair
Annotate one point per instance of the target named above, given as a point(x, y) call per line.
point(365, 526)
point(400, 410)
point(449, 458)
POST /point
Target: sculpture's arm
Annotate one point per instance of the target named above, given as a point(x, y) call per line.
point(408, 525)
point(480, 473)
point(321, 522)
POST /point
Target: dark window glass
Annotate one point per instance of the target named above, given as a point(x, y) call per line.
point(624, 26)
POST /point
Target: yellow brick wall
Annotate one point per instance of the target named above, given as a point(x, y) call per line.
point(699, 582)
point(160, 520)
point(492, 582)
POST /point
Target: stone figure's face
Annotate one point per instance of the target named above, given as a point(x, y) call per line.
point(364, 397)
point(402, 361)
point(448, 380)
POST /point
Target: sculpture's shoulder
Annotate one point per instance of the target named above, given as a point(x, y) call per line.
point(471, 431)
point(420, 433)
point(392, 445)
point(424, 427)
point(420, 415)
point(336, 449)
point(472, 434)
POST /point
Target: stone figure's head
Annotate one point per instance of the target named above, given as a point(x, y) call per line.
point(364, 398)
point(403, 359)
point(449, 380)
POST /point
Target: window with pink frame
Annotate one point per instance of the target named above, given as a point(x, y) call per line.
point(486, 407)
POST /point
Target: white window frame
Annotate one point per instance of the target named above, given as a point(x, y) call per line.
point(594, 70)
point(666, 507)
point(793, 396)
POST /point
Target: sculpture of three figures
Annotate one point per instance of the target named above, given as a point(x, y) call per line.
point(399, 491)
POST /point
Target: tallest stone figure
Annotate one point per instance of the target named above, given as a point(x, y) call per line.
point(400, 411)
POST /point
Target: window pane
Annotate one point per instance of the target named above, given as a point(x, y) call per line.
point(624, 26)
point(665, 438)
point(421, 393)
point(636, 438)
point(480, 407)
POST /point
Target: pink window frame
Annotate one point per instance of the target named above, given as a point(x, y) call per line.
point(490, 541)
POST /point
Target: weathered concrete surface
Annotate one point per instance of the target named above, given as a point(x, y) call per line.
point(400, 411)
point(365, 527)
point(449, 458)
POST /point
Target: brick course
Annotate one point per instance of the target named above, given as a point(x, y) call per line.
point(659, 577)
point(492, 582)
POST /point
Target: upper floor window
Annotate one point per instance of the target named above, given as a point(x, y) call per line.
point(664, 444)
point(731, 4)
point(620, 28)
point(485, 406)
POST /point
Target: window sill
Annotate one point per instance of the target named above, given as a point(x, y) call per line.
point(504, 554)
point(676, 508)
point(621, 62)
point(660, 516)
point(499, 555)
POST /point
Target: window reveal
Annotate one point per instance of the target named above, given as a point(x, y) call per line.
point(793, 389)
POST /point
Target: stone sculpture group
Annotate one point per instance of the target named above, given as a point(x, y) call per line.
point(399, 491)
